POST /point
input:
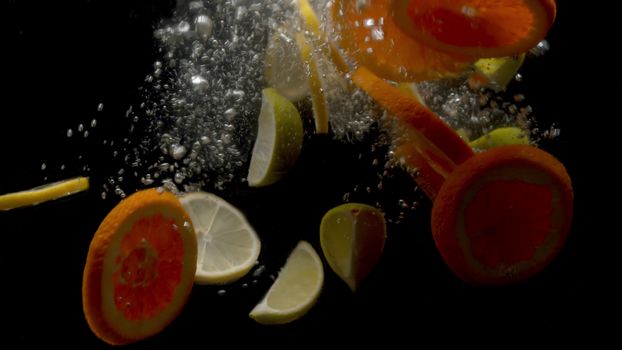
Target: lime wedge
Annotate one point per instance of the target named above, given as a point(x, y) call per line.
point(279, 140)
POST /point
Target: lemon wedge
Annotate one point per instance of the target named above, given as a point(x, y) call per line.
point(501, 137)
point(496, 73)
point(44, 193)
point(279, 140)
point(228, 247)
point(295, 290)
point(352, 237)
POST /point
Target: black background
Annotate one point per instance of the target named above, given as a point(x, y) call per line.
point(64, 58)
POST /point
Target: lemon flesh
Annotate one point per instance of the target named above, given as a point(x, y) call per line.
point(279, 140)
point(295, 290)
point(228, 247)
point(496, 73)
point(501, 137)
point(43, 193)
point(352, 238)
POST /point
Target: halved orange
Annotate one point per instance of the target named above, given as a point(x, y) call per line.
point(140, 268)
point(478, 28)
point(503, 215)
point(369, 34)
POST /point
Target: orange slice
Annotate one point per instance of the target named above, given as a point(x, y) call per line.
point(503, 215)
point(369, 34)
point(478, 28)
point(408, 109)
point(140, 268)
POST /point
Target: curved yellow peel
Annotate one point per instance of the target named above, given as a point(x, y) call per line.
point(43, 193)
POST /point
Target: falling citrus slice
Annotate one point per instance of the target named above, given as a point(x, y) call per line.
point(284, 69)
point(43, 193)
point(314, 80)
point(352, 237)
point(503, 215)
point(279, 140)
point(295, 290)
point(140, 268)
point(495, 73)
point(228, 247)
point(408, 109)
point(501, 137)
point(312, 24)
point(368, 33)
point(477, 28)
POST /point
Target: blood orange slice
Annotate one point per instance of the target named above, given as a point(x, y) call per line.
point(140, 268)
point(368, 33)
point(503, 215)
point(478, 28)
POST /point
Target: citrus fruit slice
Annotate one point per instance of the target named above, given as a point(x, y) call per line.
point(284, 69)
point(279, 140)
point(352, 237)
point(408, 109)
point(503, 215)
point(295, 290)
point(496, 73)
point(312, 24)
point(140, 268)
point(478, 28)
point(43, 193)
point(228, 247)
point(368, 33)
point(318, 100)
point(501, 137)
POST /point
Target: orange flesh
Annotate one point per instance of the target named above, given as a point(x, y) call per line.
point(486, 23)
point(386, 49)
point(507, 220)
point(149, 267)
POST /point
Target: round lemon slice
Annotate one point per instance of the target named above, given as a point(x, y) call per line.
point(44, 193)
point(279, 140)
point(352, 237)
point(228, 247)
point(296, 289)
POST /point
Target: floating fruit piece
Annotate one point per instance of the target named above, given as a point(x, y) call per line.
point(284, 69)
point(477, 28)
point(408, 109)
point(140, 268)
point(295, 290)
point(501, 137)
point(496, 73)
point(367, 32)
point(312, 24)
point(318, 100)
point(503, 215)
point(279, 140)
point(44, 193)
point(352, 237)
point(228, 246)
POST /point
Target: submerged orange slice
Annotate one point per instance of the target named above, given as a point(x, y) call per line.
point(140, 268)
point(478, 28)
point(369, 34)
point(503, 215)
